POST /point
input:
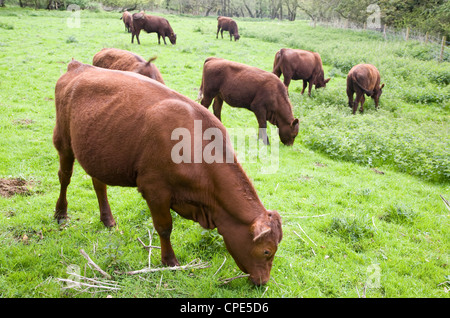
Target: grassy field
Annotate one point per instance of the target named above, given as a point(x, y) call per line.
point(359, 195)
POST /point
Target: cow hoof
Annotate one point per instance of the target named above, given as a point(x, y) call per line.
point(109, 223)
point(171, 263)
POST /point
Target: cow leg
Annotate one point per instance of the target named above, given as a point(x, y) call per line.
point(159, 205)
point(66, 160)
point(286, 82)
point(231, 37)
point(262, 132)
point(221, 33)
point(350, 97)
point(356, 102)
point(137, 37)
point(309, 88)
point(217, 107)
point(362, 100)
point(217, 35)
point(105, 211)
point(305, 83)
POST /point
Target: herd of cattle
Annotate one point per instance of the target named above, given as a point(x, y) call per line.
point(116, 118)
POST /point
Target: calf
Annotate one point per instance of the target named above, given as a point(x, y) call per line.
point(149, 24)
point(227, 24)
point(363, 79)
point(122, 60)
point(124, 129)
point(299, 64)
point(244, 86)
point(127, 20)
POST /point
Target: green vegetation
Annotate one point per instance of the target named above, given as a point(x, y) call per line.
point(353, 191)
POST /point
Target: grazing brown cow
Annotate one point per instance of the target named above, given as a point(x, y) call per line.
point(297, 64)
point(150, 23)
point(127, 20)
point(363, 79)
point(125, 129)
point(244, 86)
point(227, 24)
point(122, 60)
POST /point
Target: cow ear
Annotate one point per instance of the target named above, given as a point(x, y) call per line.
point(150, 60)
point(259, 229)
point(327, 80)
point(294, 122)
point(382, 85)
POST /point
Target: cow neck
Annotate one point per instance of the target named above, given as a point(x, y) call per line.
point(285, 116)
point(236, 197)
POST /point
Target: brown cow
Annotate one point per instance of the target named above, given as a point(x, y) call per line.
point(150, 23)
point(244, 86)
point(297, 64)
point(227, 24)
point(122, 60)
point(363, 79)
point(124, 129)
point(127, 20)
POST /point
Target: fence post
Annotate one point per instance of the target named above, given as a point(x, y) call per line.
point(441, 56)
point(384, 31)
point(407, 34)
point(426, 38)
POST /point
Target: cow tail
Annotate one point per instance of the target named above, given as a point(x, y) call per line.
point(366, 91)
point(277, 62)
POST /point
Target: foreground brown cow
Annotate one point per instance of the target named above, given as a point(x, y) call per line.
point(244, 86)
point(127, 20)
point(122, 60)
point(124, 130)
point(300, 65)
point(227, 24)
point(149, 24)
point(363, 79)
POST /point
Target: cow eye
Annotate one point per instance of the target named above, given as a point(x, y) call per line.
point(266, 252)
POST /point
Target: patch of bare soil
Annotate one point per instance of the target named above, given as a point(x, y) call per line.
point(10, 187)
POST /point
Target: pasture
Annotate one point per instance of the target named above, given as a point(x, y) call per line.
point(359, 195)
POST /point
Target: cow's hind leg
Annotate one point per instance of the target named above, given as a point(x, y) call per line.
point(217, 107)
point(102, 197)
point(66, 160)
point(362, 100)
point(359, 97)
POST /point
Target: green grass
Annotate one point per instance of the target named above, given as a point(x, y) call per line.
point(353, 191)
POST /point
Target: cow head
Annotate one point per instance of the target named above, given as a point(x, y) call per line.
point(289, 132)
point(236, 36)
point(322, 83)
point(173, 38)
point(253, 248)
point(376, 94)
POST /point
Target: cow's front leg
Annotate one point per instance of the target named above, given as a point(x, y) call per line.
point(105, 210)
point(158, 201)
point(305, 83)
point(262, 132)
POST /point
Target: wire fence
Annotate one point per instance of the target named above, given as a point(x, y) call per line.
point(439, 43)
